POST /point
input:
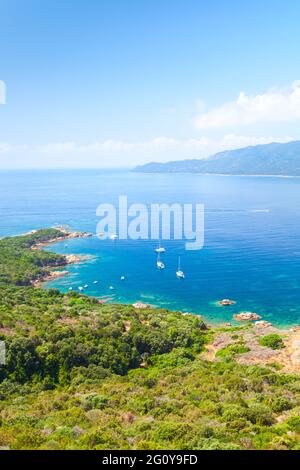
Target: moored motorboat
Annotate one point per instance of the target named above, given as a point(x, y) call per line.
point(160, 248)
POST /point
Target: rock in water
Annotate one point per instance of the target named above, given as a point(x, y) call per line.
point(246, 316)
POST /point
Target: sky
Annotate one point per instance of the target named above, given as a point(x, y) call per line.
point(116, 83)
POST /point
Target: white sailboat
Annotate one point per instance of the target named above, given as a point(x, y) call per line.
point(159, 263)
point(179, 272)
point(160, 248)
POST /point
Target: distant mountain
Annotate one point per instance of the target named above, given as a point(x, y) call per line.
point(269, 159)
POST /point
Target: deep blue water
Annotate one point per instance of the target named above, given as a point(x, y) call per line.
point(252, 238)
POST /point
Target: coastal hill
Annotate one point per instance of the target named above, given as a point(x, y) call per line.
point(83, 374)
point(269, 159)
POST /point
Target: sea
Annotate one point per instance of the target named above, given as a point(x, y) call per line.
point(251, 251)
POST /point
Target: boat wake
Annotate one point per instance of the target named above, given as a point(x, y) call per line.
point(259, 210)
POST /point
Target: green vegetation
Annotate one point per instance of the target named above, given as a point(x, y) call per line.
point(85, 375)
point(232, 350)
point(49, 335)
point(272, 341)
point(19, 264)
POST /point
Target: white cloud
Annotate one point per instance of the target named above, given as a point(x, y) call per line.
point(4, 147)
point(276, 105)
point(163, 146)
point(56, 147)
point(114, 153)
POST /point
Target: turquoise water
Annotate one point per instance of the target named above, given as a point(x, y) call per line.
point(252, 238)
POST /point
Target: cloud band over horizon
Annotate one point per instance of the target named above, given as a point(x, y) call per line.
point(219, 128)
point(99, 154)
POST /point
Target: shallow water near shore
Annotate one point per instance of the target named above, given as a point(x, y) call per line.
point(252, 239)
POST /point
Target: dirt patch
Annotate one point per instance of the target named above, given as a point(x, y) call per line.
point(7, 331)
point(288, 357)
point(127, 325)
point(68, 321)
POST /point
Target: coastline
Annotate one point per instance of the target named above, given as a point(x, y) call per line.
point(51, 273)
point(66, 236)
point(214, 174)
point(251, 175)
point(245, 337)
point(56, 272)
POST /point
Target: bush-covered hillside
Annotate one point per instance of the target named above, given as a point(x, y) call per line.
point(19, 264)
point(49, 334)
point(85, 375)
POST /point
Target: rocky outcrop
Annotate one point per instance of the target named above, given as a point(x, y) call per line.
point(141, 305)
point(226, 302)
point(246, 316)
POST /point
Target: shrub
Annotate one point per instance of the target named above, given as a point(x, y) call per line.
point(272, 341)
point(232, 350)
point(279, 404)
point(294, 423)
point(94, 401)
point(233, 412)
point(172, 432)
point(260, 414)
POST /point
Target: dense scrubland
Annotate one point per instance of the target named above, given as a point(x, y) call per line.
point(84, 375)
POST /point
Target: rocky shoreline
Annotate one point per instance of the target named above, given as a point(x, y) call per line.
point(52, 272)
point(66, 236)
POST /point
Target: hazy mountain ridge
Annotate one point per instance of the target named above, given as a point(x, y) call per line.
point(269, 159)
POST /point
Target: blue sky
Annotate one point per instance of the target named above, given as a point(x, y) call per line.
point(121, 82)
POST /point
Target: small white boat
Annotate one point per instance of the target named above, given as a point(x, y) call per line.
point(80, 288)
point(95, 282)
point(179, 272)
point(86, 286)
point(70, 288)
point(111, 288)
point(160, 249)
point(113, 237)
point(122, 278)
point(159, 263)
